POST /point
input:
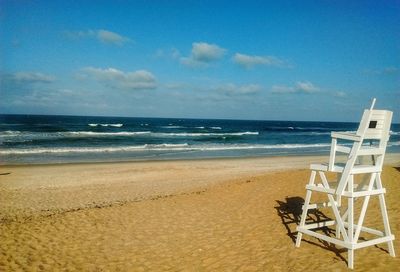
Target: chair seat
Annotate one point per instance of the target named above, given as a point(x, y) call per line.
point(338, 168)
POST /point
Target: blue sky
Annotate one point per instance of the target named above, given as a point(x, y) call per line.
point(267, 60)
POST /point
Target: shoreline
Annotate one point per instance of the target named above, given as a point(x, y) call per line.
point(162, 159)
point(152, 160)
point(391, 156)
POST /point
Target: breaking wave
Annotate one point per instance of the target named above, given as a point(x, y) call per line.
point(105, 125)
point(41, 135)
point(157, 147)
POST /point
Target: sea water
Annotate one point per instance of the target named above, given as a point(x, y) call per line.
point(59, 139)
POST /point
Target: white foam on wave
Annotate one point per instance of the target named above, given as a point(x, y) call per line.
point(92, 133)
point(156, 147)
point(69, 134)
point(256, 146)
point(316, 133)
point(93, 149)
point(157, 134)
point(106, 125)
point(172, 127)
point(215, 127)
point(198, 134)
point(10, 133)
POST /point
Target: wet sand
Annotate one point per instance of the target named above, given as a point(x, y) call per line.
point(203, 215)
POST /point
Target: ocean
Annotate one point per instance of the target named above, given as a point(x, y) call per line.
point(31, 139)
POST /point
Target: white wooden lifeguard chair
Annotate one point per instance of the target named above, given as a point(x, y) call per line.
point(374, 128)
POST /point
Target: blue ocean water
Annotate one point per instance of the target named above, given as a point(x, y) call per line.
point(58, 139)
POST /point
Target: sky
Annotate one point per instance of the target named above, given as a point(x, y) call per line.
point(258, 60)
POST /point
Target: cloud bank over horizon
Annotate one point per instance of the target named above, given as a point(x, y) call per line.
point(114, 78)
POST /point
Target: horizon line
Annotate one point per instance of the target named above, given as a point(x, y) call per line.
point(189, 118)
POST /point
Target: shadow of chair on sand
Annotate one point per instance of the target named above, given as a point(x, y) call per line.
point(290, 211)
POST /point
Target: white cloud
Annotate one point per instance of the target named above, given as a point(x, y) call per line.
point(32, 77)
point(177, 86)
point(175, 53)
point(190, 62)
point(306, 87)
point(248, 61)
point(217, 92)
point(102, 35)
point(111, 77)
point(75, 35)
point(390, 70)
point(172, 53)
point(206, 52)
point(111, 37)
point(281, 89)
point(232, 89)
point(203, 54)
point(340, 94)
point(24, 82)
point(300, 87)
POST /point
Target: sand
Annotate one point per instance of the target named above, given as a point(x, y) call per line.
point(201, 215)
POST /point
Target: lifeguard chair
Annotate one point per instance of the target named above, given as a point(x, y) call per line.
point(369, 140)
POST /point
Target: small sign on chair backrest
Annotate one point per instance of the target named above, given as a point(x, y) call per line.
point(375, 124)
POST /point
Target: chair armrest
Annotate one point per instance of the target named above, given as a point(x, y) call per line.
point(346, 136)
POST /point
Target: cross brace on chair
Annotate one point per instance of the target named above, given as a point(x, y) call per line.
point(347, 230)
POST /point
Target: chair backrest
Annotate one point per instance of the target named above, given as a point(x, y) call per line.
point(375, 125)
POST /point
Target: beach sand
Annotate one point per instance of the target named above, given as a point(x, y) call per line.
point(200, 215)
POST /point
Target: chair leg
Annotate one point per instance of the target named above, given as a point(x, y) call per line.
point(385, 217)
point(305, 209)
point(339, 203)
point(350, 258)
point(350, 220)
point(386, 225)
point(303, 217)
